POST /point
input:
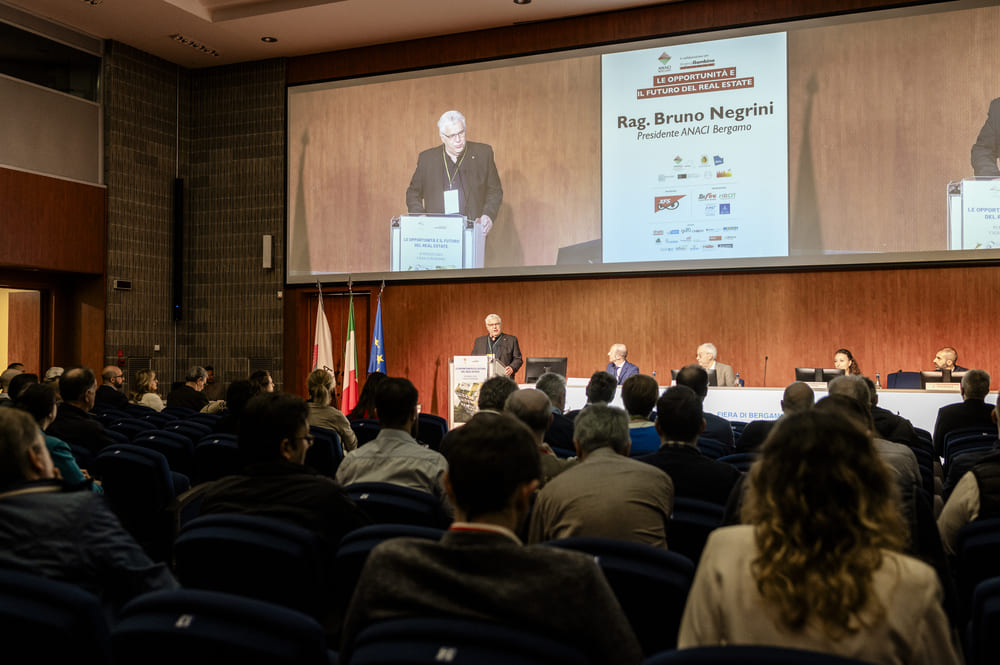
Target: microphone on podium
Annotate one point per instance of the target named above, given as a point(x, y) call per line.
point(764, 382)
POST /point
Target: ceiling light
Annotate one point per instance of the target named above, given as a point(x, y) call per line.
point(522, 2)
point(269, 40)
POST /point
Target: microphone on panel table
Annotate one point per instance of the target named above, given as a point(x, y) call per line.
point(764, 382)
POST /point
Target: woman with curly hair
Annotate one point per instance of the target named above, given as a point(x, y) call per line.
point(146, 385)
point(842, 359)
point(816, 564)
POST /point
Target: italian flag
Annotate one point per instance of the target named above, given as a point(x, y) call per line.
point(349, 394)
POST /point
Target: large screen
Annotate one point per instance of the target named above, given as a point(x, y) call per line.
point(837, 141)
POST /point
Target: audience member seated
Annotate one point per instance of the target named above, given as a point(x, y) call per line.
point(260, 381)
point(214, 389)
point(323, 414)
point(52, 375)
point(5, 378)
point(560, 432)
point(39, 401)
point(600, 390)
point(899, 457)
point(975, 496)
point(798, 397)
point(190, 395)
point(817, 563)
point(394, 456)
point(844, 359)
point(365, 407)
point(679, 422)
point(146, 386)
point(696, 378)
point(618, 365)
point(533, 408)
point(73, 423)
point(639, 393)
point(481, 570)
point(110, 393)
point(888, 425)
point(70, 536)
point(947, 359)
point(972, 411)
point(494, 392)
point(606, 495)
point(19, 383)
point(237, 396)
point(274, 438)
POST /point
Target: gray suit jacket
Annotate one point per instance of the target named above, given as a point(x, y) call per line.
point(724, 374)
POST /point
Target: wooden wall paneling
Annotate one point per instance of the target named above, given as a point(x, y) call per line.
point(666, 19)
point(51, 223)
point(24, 329)
point(890, 319)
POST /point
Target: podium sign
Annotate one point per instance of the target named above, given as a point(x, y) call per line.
point(974, 214)
point(435, 242)
point(466, 375)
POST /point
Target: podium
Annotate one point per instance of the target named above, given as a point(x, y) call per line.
point(435, 242)
point(466, 375)
point(974, 213)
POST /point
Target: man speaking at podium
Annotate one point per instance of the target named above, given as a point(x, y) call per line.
point(987, 146)
point(503, 347)
point(460, 178)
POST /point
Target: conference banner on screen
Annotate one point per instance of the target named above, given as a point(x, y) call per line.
point(694, 143)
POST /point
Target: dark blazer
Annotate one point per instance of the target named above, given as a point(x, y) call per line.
point(719, 429)
point(476, 180)
point(506, 350)
point(76, 426)
point(108, 395)
point(987, 147)
point(628, 369)
point(560, 433)
point(695, 475)
point(970, 413)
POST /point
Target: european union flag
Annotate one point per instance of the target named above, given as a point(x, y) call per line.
point(376, 354)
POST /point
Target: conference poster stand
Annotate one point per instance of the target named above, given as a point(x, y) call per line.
point(435, 242)
point(466, 375)
point(974, 214)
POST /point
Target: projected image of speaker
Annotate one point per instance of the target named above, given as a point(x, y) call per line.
point(535, 367)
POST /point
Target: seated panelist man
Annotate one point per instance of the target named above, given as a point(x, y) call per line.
point(619, 366)
point(499, 344)
point(705, 355)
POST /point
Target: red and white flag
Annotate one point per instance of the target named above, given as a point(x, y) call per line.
point(323, 341)
point(349, 395)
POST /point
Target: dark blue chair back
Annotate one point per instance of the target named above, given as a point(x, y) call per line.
point(254, 556)
point(176, 447)
point(56, 621)
point(195, 626)
point(690, 524)
point(131, 427)
point(712, 448)
point(455, 641)
point(387, 503)
point(741, 461)
point(326, 453)
point(179, 412)
point(192, 430)
point(903, 381)
point(215, 456)
point(983, 635)
point(651, 585)
point(365, 429)
point(431, 429)
point(978, 548)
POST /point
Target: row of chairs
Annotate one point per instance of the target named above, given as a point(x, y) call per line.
point(430, 429)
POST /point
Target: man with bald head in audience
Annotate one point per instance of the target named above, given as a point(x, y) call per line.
point(110, 393)
point(606, 495)
point(798, 397)
point(972, 411)
point(73, 423)
point(533, 408)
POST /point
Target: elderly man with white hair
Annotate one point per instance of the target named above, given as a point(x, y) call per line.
point(724, 375)
point(502, 346)
point(458, 177)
